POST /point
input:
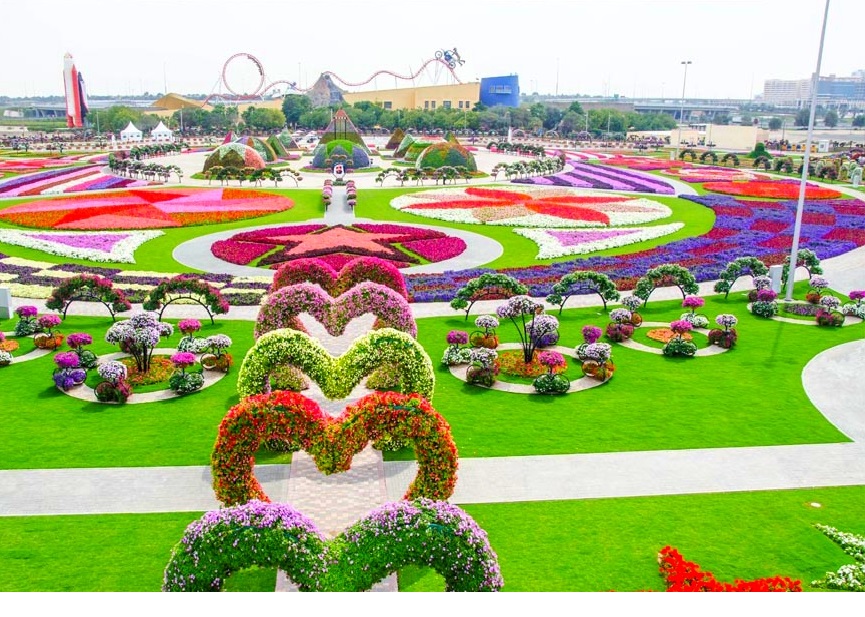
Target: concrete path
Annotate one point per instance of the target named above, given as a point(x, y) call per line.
point(339, 212)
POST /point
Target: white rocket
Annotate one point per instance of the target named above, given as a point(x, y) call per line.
point(76, 95)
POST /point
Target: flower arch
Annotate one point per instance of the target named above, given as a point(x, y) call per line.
point(806, 258)
point(666, 274)
point(735, 269)
point(583, 281)
point(336, 376)
point(282, 308)
point(186, 287)
point(312, 270)
point(488, 286)
point(423, 532)
point(88, 287)
point(300, 424)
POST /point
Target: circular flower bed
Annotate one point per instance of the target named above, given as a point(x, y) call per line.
point(145, 209)
point(161, 369)
point(401, 245)
point(525, 206)
point(511, 363)
point(773, 189)
point(665, 335)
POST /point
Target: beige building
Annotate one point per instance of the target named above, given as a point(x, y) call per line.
point(724, 136)
point(787, 92)
point(428, 98)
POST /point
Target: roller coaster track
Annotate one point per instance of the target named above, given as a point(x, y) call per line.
point(261, 89)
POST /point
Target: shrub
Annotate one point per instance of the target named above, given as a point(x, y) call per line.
point(551, 384)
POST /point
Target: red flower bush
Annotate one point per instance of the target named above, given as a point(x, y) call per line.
point(301, 425)
point(681, 575)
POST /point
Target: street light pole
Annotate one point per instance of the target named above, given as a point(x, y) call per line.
point(682, 108)
point(800, 206)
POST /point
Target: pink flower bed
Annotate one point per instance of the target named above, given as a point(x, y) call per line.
point(437, 250)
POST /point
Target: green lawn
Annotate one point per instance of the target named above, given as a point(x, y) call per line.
point(750, 396)
point(586, 545)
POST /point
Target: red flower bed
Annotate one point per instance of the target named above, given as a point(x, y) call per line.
point(771, 226)
point(853, 235)
point(144, 209)
point(438, 249)
point(774, 190)
point(818, 218)
point(778, 242)
point(237, 252)
point(681, 575)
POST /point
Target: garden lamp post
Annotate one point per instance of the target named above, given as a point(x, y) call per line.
point(800, 205)
point(682, 108)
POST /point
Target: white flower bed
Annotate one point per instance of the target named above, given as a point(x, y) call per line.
point(550, 246)
point(121, 251)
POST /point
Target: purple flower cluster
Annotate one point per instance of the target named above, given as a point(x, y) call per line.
point(586, 175)
point(457, 337)
point(551, 359)
point(183, 359)
point(693, 302)
point(591, 334)
point(66, 379)
point(66, 360)
point(79, 339)
point(27, 311)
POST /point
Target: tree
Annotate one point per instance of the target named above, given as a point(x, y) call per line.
point(775, 124)
point(722, 118)
point(746, 120)
point(802, 117)
point(576, 108)
point(859, 121)
point(294, 106)
point(831, 118)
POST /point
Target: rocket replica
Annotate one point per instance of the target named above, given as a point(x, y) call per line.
point(76, 96)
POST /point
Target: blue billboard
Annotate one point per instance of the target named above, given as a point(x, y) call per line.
point(500, 91)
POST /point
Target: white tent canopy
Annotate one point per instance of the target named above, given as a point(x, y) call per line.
point(162, 133)
point(130, 133)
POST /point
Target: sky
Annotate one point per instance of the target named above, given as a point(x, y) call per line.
point(601, 47)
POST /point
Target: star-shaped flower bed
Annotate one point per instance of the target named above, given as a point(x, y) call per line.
point(527, 206)
point(403, 246)
point(145, 209)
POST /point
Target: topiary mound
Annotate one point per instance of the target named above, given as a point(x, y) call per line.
point(287, 141)
point(259, 146)
point(327, 154)
point(446, 154)
point(395, 140)
point(415, 150)
point(403, 147)
point(277, 147)
point(236, 156)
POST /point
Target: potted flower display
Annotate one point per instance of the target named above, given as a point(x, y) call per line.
point(761, 282)
point(817, 284)
point(190, 342)
point(857, 307)
point(217, 358)
point(485, 336)
point(597, 361)
point(484, 368)
point(591, 335)
point(693, 303)
point(727, 337)
point(632, 303)
point(47, 337)
point(679, 346)
point(544, 330)
point(115, 388)
point(829, 312)
point(26, 325)
point(77, 341)
point(68, 373)
point(182, 382)
point(765, 304)
point(621, 329)
point(551, 382)
point(5, 358)
point(454, 354)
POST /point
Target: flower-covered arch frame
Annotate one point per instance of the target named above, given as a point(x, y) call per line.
point(488, 286)
point(580, 282)
point(337, 376)
point(666, 274)
point(186, 288)
point(423, 532)
point(88, 288)
point(300, 424)
point(737, 268)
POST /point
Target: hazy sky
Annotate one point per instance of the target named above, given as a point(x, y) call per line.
point(629, 47)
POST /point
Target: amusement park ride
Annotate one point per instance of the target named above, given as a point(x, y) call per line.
point(443, 60)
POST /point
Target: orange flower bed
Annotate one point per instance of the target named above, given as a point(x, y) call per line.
point(511, 363)
point(9, 346)
point(161, 369)
point(771, 190)
point(665, 335)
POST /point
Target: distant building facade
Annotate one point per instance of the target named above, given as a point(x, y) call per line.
point(491, 91)
point(832, 91)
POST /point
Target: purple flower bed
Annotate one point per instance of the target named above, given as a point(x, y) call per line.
point(736, 233)
point(100, 184)
point(20, 181)
point(584, 175)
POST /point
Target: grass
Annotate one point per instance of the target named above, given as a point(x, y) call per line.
point(585, 545)
point(652, 403)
